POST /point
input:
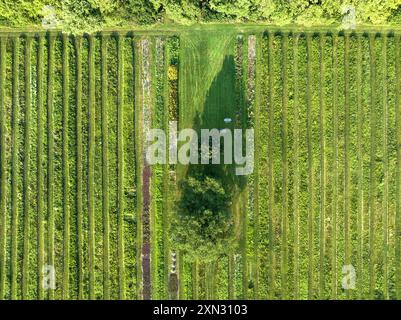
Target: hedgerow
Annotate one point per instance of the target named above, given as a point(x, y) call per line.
point(93, 15)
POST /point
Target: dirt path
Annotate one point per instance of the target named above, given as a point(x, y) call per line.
point(146, 174)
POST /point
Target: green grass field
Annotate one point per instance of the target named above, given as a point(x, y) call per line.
point(77, 195)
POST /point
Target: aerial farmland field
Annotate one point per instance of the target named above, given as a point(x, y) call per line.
point(84, 215)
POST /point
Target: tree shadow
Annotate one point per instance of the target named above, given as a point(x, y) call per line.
point(224, 99)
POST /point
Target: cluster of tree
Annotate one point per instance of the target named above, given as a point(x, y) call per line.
point(92, 15)
point(203, 227)
point(77, 15)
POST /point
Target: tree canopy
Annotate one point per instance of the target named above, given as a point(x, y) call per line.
point(203, 226)
point(92, 15)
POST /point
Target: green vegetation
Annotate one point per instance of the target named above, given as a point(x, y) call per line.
point(2, 174)
point(324, 194)
point(203, 226)
point(26, 169)
point(93, 15)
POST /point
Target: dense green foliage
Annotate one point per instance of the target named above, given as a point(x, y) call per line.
point(324, 193)
point(94, 14)
point(91, 15)
point(22, 12)
point(77, 15)
point(203, 227)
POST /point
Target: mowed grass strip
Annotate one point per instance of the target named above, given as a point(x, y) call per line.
point(50, 155)
point(139, 163)
point(347, 173)
point(322, 127)
point(120, 167)
point(166, 173)
point(256, 212)
point(334, 244)
point(26, 171)
point(385, 120)
point(398, 171)
point(3, 217)
point(129, 179)
point(66, 172)
point(270, 156)
point(91, 169)
point(14, 170)
point(310, 166)
point(244, 195)
point(372, 176)
point(154, 106)
point(284, 164)
point(79, 167)
point(105, 172)
point(296, 170)
point(40, 178)
point(360, 169)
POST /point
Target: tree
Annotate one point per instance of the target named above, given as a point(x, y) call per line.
point(244, 9)
point(203, 226)
point(20, 13)
point(181, 11)
point(80, 16)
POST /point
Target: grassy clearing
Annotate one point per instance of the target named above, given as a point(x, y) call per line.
point(206, 70)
